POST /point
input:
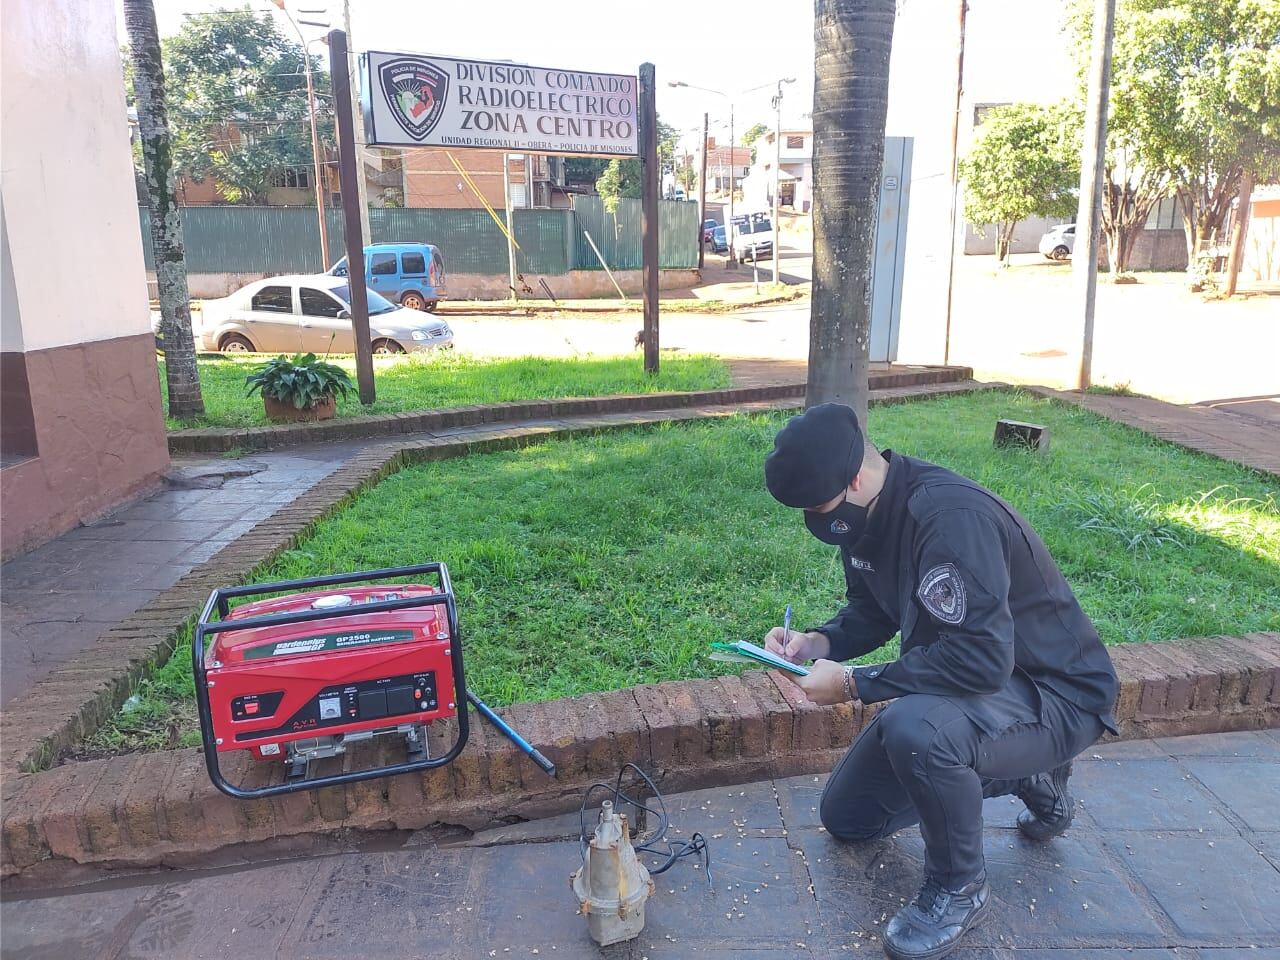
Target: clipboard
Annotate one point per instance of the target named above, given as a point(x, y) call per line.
point(744, 651)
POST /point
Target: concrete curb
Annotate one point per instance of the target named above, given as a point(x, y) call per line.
point(504, 308)
point(222, 439)
point(76, 698)
point(160, 809)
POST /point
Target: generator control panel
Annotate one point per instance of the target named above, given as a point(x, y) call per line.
point(404, 697)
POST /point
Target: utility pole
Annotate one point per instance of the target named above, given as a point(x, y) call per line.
point(362, 188)
point(702, 192)
point(1084, 263)
point(347, 159)
point(315, 137)
point(955, 178)
point(1239, 228)
point(777, 175)
point(511, 250)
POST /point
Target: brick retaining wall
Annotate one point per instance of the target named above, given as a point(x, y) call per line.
point(222, 439)
point(160, 808)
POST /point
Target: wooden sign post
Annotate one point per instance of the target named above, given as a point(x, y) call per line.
point(648, 111)
point(349, 173)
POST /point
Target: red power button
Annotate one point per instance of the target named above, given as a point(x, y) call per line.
point(251, 707)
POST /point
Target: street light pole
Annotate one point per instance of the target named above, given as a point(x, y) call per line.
point(1084, 264)
point(777, 175)
point(732, 262)
point(728, 227)
point(702, 193)
point(955, 179)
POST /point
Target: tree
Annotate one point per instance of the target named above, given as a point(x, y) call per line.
point(584, 169)
point(687, 177)
point(852, 41)
point(1196, 92)
point(181, 373)
point(1134, 179)
point(238, 99)
point(1024, 162)
point(754, 133)
point(621, 178)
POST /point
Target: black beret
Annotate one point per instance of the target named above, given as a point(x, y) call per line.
point(815, 456)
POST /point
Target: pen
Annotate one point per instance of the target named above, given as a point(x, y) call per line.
point(786, 628)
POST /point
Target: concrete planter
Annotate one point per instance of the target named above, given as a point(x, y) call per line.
point(282, 412)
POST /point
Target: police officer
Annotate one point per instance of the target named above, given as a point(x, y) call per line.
point(1000, 682)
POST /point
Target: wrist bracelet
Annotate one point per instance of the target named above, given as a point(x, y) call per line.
point(848, 684)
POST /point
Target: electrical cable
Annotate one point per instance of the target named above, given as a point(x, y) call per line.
point(655, 843)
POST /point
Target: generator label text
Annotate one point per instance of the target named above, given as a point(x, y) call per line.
point(327, 641)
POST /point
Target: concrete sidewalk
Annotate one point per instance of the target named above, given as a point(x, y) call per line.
point(1175, 853)
point(61, 596)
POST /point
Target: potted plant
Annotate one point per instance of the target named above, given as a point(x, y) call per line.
point(301, 387)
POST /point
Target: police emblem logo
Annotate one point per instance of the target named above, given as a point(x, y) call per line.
point(942, 593)
point(839, 526)
point(415, 90)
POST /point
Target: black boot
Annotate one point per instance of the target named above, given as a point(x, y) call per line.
point(1050, 808)
point(931, 925)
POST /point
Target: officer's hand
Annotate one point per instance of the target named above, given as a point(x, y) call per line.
point(824, 684)
point(799, 647)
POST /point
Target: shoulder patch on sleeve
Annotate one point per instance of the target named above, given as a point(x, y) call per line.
point(942, 592)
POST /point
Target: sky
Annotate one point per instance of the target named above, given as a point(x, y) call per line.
point(1013, 49)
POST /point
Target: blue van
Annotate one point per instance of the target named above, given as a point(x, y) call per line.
point(410, 274)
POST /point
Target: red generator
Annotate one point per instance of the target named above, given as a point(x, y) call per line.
point(330, 661)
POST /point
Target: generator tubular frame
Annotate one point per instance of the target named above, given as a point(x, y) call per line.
point(208, 626)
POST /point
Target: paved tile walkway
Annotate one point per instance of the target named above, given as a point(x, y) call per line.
point(59, 597)
point(1175, 854)
point(1252, 440)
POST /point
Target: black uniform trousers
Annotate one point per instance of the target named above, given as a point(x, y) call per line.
point(932, 759)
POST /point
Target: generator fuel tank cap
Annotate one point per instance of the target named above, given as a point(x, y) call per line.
point(331, 602)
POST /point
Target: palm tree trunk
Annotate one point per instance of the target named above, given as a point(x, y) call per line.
point(852, 40)
point(166, 225)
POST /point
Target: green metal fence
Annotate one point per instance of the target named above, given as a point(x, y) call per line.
point(618, 234)
point(275, 240)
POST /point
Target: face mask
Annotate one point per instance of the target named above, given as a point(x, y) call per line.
point(841, 527)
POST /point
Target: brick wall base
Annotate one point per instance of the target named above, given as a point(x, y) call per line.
point(155, 809)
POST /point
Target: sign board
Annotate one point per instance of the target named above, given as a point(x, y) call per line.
point(416, 100)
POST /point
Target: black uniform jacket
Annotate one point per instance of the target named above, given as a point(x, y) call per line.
point(981, 606)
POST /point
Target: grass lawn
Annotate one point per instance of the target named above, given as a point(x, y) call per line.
point(450, 379)
point(600, 562)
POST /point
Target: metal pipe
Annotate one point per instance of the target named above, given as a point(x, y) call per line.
point(600, 257)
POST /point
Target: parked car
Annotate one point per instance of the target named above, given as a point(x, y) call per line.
point(708, 228)
point(410, 274)
point(752, 237)
point(1059, 242)
point(719, 244)
point(299, 314)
